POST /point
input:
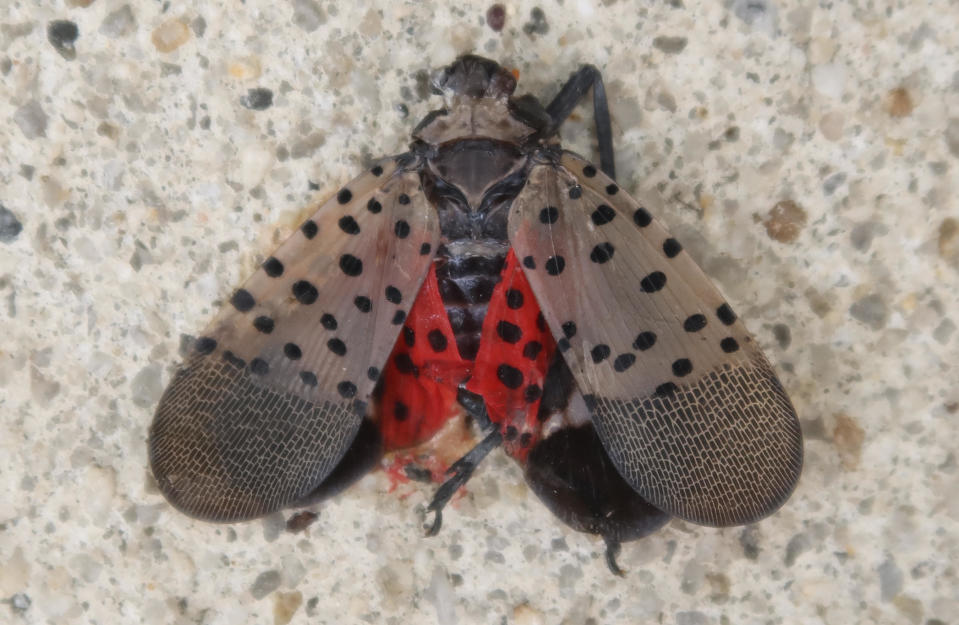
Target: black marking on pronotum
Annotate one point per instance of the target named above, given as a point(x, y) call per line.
point(570, 328)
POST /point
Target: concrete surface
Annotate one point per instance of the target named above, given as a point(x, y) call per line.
point(154, 153)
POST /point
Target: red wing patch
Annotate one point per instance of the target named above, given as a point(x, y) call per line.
point(514, 354)
point(422, 375)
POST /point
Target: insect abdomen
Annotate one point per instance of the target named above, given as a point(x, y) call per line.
point(466, 282)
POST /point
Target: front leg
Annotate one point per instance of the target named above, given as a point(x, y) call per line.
point(569, 96)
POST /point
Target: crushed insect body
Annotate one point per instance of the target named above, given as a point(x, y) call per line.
point(485, 276)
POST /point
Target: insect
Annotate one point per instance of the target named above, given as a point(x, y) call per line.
point(486, 274)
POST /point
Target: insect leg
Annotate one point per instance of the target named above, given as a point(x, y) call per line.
point(613, 547)
point(460, 473)
point(475, 407)
point(569, 96)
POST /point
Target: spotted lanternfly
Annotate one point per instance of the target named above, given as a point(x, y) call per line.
point(485, 275)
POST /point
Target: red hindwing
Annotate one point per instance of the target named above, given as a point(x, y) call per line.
point(514, 355)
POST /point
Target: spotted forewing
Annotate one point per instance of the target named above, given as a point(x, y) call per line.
point(278, 384)
point(678, 390)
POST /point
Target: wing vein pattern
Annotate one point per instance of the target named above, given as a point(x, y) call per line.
point(682, 397)
point(277, 386)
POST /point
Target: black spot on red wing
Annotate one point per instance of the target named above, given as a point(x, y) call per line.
point(541, 322)
point(309, 229)
point(292, 351)
point(351, 265)
point(363, 303)
point(642, 217)
point(532, 393)
point(532, 349)
point(346, 389)
point(304, 292)
point(555, 265)
point(404, 364)
point(569, 329)
point(602, 252)
point(373, 374)
point(273, 267)
point(400, 411)
point(409, 336)
point(624, 362)
point(344, 196)
point(377, 171)
point(671, 248)
point(549, 215)
point(349, 225)
point(509, 332)
point(602, 215)
point(525, 439)
point(575, 192)
point(653, 282)
point(529, 263)
point(514, 299)
point(308, 378)
point(403, 199)
point(589, 171)
point(205, 345)
point(264, 324)
point(336, 346)
point(242, 300)
point(611, 189)
point(510, 376)
point(694, 323)
point(726, 315)
point(682, 366)
point(644, 341)
point(599, 353)
point(511, 433)
point(402, 229)
point(233, 359)
point(259, 366)
point(729, 345)
point(393, 295)
point(373, 206)
point(437, 339)
point(328, 321)
point(398, 317)
point(666, 389)
point(425, 249)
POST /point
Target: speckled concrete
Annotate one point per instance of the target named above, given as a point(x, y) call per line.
point(809, 158)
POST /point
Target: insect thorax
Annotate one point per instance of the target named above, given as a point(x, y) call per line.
point(475, 156)
point(472, 183)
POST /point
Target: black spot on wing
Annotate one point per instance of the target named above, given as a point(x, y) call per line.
point(309, 229)
point(509, 376)
point(509, 332)
point(363, 303)
point(304, 292)
point(348, 225)
point(694, 323)
point(264, 324)
point(273, 267)
point(351, 265)
point(242, 300)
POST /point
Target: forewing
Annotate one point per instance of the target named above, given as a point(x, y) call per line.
point(686, 404)
point(275, 389)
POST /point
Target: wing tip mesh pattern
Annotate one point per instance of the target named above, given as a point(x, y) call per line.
point(726, 450)
point(226, 449)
